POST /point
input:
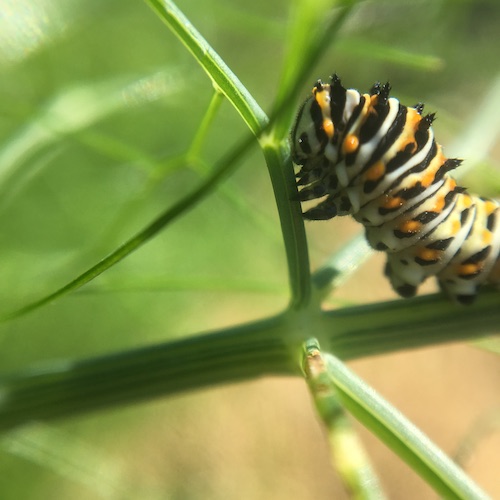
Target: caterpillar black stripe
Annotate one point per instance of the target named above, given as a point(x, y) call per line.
point(369, 156)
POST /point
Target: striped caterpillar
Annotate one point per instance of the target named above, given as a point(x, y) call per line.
point(369, 156)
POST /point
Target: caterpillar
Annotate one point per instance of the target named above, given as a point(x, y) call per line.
point(369, 156)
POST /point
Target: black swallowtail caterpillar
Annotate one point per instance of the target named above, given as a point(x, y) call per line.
point(373, 158)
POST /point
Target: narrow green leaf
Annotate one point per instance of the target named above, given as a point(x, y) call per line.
point(346, 449)
point(364, 48)
point(400, 435)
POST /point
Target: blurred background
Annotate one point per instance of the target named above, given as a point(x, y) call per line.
point(99, 105)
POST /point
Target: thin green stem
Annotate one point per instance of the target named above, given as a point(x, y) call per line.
point(360, 47)
point(399, 434)
point(220, 74)
point(275, 148)
point(341, 264)
point(347, 452)
point(206, 122)
point(221, 170)
point(292, 224)
point(276, 157)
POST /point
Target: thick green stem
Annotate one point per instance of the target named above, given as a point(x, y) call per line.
point(67, 388)
point(268, 347)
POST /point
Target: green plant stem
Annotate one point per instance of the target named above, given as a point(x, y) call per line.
point(347, 452)
point(356, 46)
point(204, 127)
point(292, 225)
point(275, 147)
point(268, 347)
point(410, 444)
point(275, 152)
point(220, 74)
point(341, 264)
point(404, 324)
point(68, 388)
point(222, 169)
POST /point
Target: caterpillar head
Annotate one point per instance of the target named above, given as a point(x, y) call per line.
point(319, 122)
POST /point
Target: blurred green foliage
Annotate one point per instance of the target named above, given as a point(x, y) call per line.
point(98, 99)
